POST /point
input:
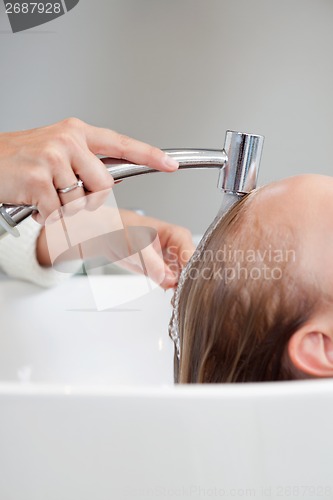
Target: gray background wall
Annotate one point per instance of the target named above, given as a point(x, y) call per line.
point(178, 73)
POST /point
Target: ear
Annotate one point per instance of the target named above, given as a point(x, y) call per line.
point(311, 352)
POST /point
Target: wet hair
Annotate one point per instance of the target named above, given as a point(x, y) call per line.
point(242, 301)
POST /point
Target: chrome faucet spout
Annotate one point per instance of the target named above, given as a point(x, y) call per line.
point(238, 165)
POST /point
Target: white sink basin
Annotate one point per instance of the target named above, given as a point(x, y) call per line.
point(88, 410)
point(58, 336)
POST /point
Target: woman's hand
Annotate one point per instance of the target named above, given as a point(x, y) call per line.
point(175, 242)
point(159, 250)
point(34, 164)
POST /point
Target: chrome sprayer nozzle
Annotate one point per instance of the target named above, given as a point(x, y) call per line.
point(240, 172)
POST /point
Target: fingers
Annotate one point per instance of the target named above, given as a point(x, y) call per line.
point(155, 268)
point(96, 200)
point(96, 179)
point(77, 195)
point(65, 177)
point(154, 265)
point(91, 171)
point(138, 249)
point(185, 246)
point(109, 143)
point(66, 157)
point(169, 252)
point(48, 203)
point(178, 249)
point(177, 246)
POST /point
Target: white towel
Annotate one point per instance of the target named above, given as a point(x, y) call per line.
point(18, 257)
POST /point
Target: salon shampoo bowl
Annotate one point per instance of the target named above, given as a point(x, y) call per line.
point(88, 409)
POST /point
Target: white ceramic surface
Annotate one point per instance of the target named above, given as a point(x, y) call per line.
point(58, 336)
point(88, 410)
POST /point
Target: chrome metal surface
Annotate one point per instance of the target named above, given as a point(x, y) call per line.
point(187, 158)
point(13, 215)
point(238, 164)
point(243, 159)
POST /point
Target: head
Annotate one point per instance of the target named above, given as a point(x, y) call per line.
point(258, 305)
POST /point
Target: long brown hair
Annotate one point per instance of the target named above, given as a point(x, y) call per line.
point(234, 323)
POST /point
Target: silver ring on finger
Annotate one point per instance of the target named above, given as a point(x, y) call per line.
point(68, 189)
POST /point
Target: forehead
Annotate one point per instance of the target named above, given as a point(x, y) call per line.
point(302, 198)
point(304, 205)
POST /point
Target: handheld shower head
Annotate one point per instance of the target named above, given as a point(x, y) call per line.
point(238, 164)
